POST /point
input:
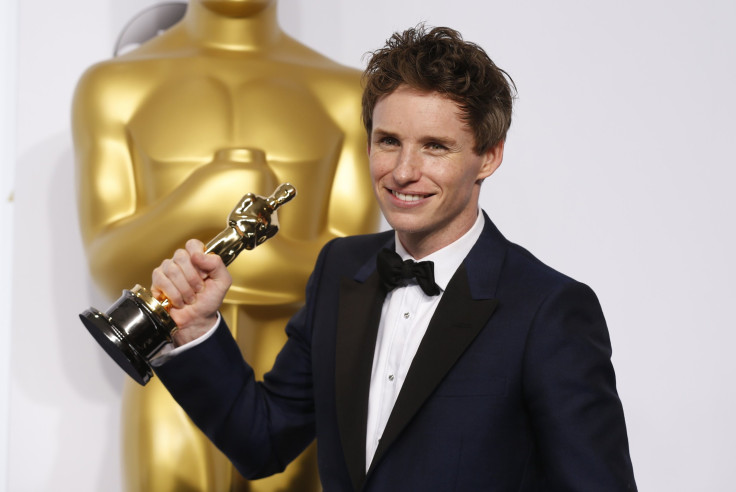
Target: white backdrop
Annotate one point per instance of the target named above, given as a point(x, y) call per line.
point(619, 171)
point(8, 51)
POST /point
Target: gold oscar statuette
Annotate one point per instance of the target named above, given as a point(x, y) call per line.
point(137, 325)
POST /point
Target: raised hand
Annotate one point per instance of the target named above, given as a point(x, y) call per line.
point(195, 283)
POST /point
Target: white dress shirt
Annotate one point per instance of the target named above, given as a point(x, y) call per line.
point(405, 317)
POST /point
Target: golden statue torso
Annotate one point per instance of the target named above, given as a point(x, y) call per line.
point(180, 119)
point(167, 138)
point(262, 109)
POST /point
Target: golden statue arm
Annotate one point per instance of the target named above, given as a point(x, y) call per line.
point(190, 207)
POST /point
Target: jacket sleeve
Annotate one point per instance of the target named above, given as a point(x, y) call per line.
point(260, 426)
point(570, 390)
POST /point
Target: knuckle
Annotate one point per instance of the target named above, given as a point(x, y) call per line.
point(194, 245)
point(168, 267)
point(180, 255)
point(174, 299)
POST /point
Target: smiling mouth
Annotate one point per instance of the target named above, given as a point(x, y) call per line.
point(405, 197)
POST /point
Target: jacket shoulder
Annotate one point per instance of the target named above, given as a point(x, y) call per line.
point(351, 253)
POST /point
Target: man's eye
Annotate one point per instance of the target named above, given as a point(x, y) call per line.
point(436, 146)
point(388, 141)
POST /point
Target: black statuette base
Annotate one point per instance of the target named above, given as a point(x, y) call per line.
point(129, 333)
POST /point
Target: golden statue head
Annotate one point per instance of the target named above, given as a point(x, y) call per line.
point(236, 8)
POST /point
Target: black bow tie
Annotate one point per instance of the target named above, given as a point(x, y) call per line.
point(393, 272)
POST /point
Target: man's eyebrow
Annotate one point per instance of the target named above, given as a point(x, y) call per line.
point(446, 141)
point(379, 132)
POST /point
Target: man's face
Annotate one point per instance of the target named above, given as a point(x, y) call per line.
point(425, 173)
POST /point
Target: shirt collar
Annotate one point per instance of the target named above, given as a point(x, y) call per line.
point(448, 259)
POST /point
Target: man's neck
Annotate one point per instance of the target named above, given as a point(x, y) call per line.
point(217, 31)
point(422, 244)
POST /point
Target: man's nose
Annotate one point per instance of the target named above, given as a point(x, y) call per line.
point(407, 167)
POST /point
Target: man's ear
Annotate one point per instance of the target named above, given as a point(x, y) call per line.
point(492, 159)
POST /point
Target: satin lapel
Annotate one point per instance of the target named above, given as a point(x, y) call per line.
point(359, 313)
point(456, 322)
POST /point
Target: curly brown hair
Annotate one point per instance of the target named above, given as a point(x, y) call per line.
point(439, 60)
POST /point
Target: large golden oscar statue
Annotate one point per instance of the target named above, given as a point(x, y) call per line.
point(167, 138)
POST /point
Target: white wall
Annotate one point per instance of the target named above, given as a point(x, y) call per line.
point(8, 50)
point(619, 171)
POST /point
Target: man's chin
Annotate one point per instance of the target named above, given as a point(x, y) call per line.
point(405, 225)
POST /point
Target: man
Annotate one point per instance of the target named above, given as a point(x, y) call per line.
point(494, 375)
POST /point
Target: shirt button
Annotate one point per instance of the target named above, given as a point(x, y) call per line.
point(406, 315)
point(390, 377)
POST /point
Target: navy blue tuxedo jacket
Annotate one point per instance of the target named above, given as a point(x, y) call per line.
point(512, 387)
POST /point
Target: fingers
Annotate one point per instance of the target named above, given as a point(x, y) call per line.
point(195, 248)
point(195, 284)
point(178, 279)
point(210, 266)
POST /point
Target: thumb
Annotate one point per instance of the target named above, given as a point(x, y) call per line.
point(210, 265)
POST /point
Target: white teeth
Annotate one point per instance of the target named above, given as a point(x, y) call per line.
point(407, 198)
